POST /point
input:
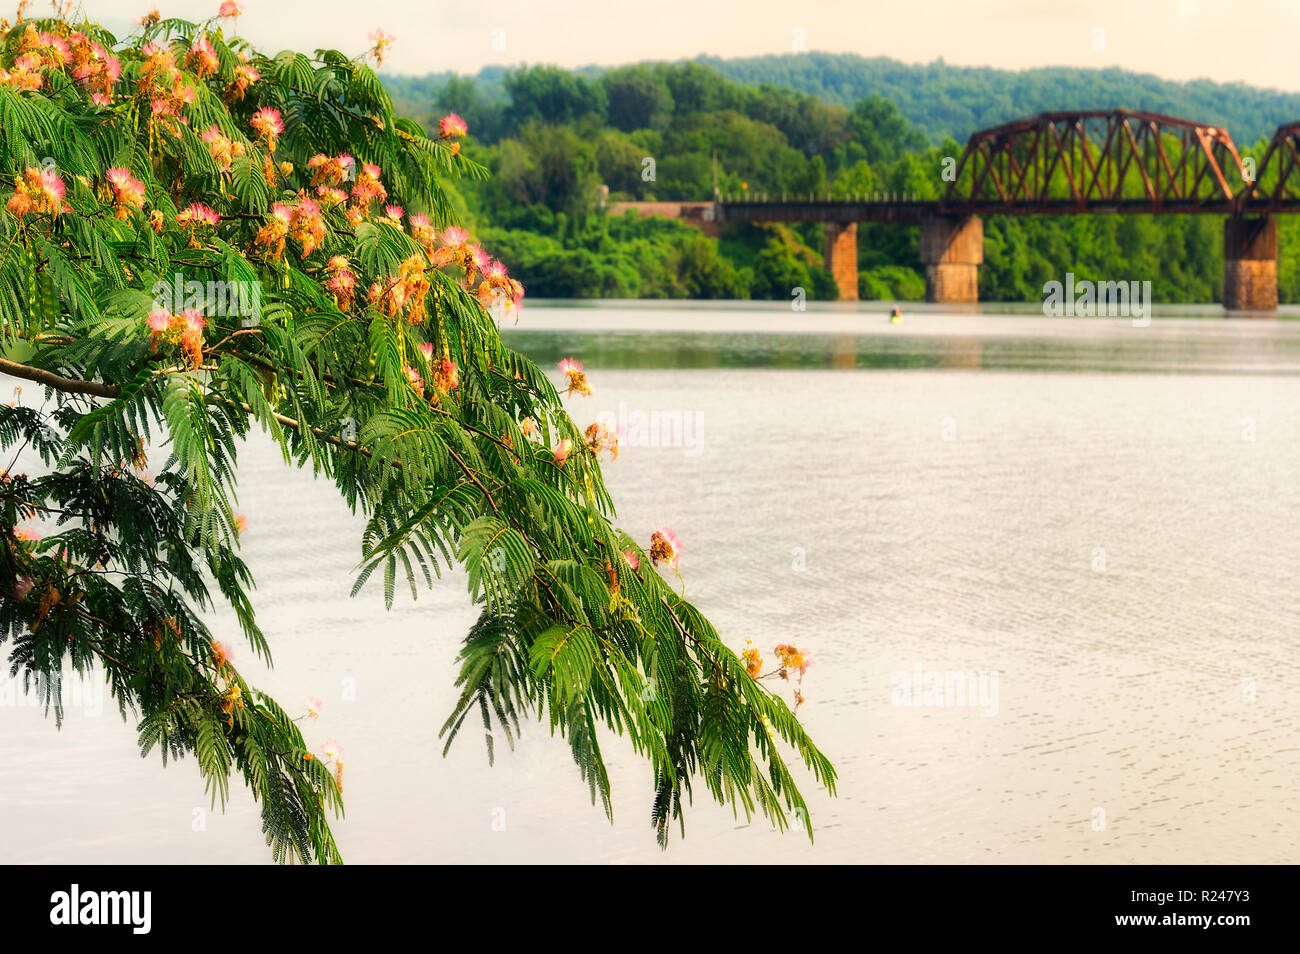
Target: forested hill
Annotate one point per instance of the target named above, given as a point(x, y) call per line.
point(943, 100)
point(561, 145)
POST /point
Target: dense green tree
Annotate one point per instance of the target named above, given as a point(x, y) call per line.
point(880, 131)
point(620, 163)
point(182, 155)
point(637, 99)
point(698, 89)
point(891, 283)
point(551, 166)
point(547, 94)
point(785, 264)
point(808, 124)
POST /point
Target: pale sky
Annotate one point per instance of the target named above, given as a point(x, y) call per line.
point(1254, 41)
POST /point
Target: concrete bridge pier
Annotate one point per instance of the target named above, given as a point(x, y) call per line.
point(952, 250)
point(1250, 264)
point(842, 257)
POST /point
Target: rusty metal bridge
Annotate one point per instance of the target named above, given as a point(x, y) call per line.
point(1061, 163)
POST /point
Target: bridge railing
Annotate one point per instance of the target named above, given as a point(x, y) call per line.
point(785, 198)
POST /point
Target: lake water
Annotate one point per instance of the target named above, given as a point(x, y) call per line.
point(1094, 523)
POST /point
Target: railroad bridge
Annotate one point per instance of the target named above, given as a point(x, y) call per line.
point(1111, 162)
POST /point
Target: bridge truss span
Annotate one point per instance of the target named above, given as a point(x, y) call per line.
point(1277, 187)
point(1098, 161)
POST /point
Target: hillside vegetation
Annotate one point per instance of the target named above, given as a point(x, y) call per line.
point(810, 123)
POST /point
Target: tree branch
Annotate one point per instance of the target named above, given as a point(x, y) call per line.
point(57, 381)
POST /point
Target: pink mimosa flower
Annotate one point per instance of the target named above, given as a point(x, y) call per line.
point(55, 47)
point(128, 191)
point(158, 320)
point(793, 658)
point(53, 188)
point(562, 451)
point(498, 286)
point(665, 547)
point(270, 237)
point(314, 707)
point(230, 10)
point(334, 753)
point(307, 226)
point(342, 282)
point(246, 76)
point(196, 213)
point(455, 236)
point(268, 123)
point(422, 232)
point(632, 559)
point(379, 44)
point(572, 369)
point(481, 258)
point(367, 187)
point(220, 148)
point(19, 204)
point(451, 126)
point(202, 58)
point(329, 170)
point(446, 375)
point(601, 438)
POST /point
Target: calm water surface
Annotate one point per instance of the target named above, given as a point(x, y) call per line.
point(1102, 515)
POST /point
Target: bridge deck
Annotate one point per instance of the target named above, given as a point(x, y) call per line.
point(913, 211)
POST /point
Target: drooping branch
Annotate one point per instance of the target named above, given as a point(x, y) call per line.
point(57, 381)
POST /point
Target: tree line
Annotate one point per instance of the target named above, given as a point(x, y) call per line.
point(819, 124)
